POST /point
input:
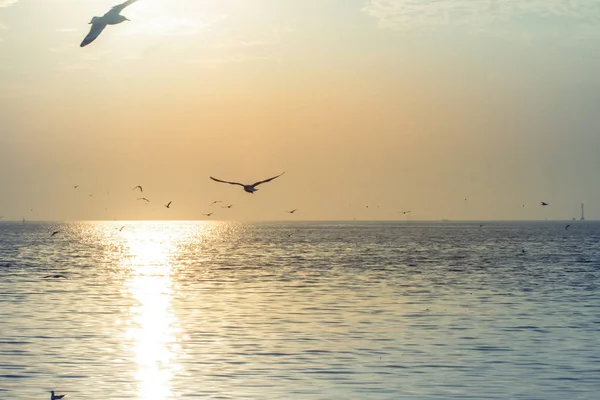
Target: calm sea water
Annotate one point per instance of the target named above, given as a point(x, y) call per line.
point(300, 311)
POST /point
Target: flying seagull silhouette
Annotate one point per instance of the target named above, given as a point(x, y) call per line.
point(248, 188)
point(208, 215)
point(292, 211)
point(56, 396)
point(121, 228)
point(138, 187)
point(112, 17)
point(215, 202)
point(405, 212)
point(57, 276)
point(545, 204)
point(168, 205)
point(229, 206)
point(143, 198)
point(567, 227)
point(54, 233)
point(75, 186)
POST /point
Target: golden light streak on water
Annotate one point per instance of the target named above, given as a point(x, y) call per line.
point(153, 331)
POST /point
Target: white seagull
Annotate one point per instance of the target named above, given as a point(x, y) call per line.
point(112, 17)
point(248, 188)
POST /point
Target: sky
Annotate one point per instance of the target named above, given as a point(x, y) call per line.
point(456, 109)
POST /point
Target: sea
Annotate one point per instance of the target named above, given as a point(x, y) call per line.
point(301, 310)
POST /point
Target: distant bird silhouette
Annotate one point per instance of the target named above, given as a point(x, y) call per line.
point(544, 204)
point(208, 214)
point(138, 187)
point(229, 206)
point(215, 202)
point(405, 212)
point(56, 396)
point(75, 186)
point(567, 227)
point(143, 198)
point(54, 233)
point(112, 17)
point(56, 276)
point(292, 211)
point(121, 228)
point(168, 205)
point(248, 188)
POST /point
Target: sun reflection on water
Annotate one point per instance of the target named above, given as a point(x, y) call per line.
point(153, 329)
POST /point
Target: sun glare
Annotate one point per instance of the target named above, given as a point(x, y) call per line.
point(153, 326)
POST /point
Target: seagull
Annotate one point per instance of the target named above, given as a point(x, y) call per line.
point(292, 211)
point(168, 205)
point(56, 277)
point(248, 188)
point(208, 215)
point(215, 202)
point(567, 227)
point(75, 186)
point(545, 204)
point(56, 396)
point(229, 206)
point(112, 17)
point(143, 198)
point(121, 228)
point(405, 212)
point(54, 233)
point(138, 187)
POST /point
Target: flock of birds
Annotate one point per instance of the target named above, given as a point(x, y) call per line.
point(248, 188)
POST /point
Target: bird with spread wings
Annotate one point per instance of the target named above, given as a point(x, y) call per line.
point(248, 188)
point(112, 17)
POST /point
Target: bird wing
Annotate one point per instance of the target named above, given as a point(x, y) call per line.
point(231, 183)
point(169, 203)
point(268, 180)
point(95, 30)
point(119, 7)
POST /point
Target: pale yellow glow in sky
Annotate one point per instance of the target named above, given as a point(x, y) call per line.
point(393, 104)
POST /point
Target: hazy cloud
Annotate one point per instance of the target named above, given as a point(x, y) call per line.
point(6, 3)
point(579, 17)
